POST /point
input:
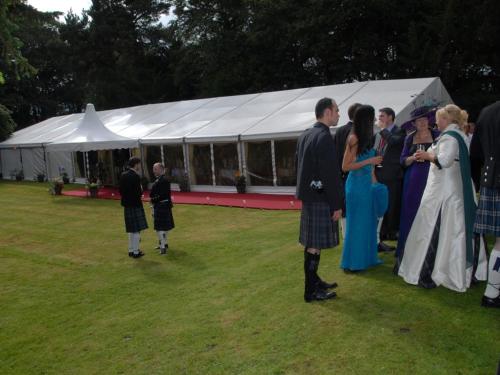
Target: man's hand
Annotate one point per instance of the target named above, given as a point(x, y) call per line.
point(337, 215)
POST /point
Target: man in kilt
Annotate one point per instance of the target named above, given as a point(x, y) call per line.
point(135, 218)
point(161, 202)
point(486, 143)
point(319, 187)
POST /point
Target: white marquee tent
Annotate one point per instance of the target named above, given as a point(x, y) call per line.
point(255, 132)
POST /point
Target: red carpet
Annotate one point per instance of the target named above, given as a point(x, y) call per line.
point(264, 201)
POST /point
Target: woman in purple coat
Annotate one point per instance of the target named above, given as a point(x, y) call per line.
point(415, 176)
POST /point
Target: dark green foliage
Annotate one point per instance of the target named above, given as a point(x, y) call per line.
point(117, 54)
point(7, 125)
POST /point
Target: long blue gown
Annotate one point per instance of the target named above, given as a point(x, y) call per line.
point(360, 243)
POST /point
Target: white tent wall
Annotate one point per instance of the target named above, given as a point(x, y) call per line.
point(11, 163)
point(33, 162)
point(59, 162)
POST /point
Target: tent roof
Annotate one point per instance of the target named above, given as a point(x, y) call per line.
point(90, 134)
point(270, 115)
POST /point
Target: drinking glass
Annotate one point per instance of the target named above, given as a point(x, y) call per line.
point(421, 147)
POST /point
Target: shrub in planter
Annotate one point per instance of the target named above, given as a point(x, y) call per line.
point(65, 178)
point(40, 177)
point(20, 175)
point(241, 184)
point(56, 186)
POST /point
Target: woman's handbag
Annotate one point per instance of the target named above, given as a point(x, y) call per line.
point(380, 199)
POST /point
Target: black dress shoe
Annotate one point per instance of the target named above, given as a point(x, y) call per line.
point(384, 248)
point(490, 302)
point(320, 295)
point(163, 251)
point(137, 255)
point(131, 254)
point(324, 285)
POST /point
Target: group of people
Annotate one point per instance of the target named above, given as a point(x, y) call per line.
point(135, 217)
point(415, 188)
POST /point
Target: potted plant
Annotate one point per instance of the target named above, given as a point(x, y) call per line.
point(92, 189)
point(184, 182)
point(40, 177)
point(20, 175)
point(65, 178)
point(56, 186)
point(241, 183)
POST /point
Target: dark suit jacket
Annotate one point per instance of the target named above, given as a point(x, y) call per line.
point(130, 189)
point(485, 145)
point(339, 141)
point(160, 191)
point(316, 158)
point(394, 141)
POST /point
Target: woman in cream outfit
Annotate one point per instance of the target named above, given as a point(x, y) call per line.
point(436, 249)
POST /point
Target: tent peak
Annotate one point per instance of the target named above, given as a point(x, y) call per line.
point(89, 108)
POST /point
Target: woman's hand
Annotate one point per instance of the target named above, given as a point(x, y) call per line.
point(376, 160)
point(411, 159)
point(421, 155)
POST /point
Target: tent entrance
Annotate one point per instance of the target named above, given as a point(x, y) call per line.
point(104, 165)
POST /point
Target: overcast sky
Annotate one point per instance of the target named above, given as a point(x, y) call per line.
point(77, 6)
point(60, 5)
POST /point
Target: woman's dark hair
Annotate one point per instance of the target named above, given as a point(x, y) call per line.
point(133, 161)
point(363, 122)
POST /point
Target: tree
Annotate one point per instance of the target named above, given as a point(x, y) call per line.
point(12, 60)
point(7, 125)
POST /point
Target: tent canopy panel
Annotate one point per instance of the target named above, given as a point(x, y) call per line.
point(199, 118)
point(245, 116)
point(299, 114)
point(43, 132)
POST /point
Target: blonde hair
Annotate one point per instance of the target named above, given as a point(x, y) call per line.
point(455, 114)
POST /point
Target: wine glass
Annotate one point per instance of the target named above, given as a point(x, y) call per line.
point(421, 147)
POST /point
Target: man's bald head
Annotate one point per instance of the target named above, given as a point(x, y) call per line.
point(158, 169)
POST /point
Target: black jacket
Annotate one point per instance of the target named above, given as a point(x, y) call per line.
point(339, 141)
point(130, 189)
point(160, 191)
point(391, 167)
point(485, 145)
point(316, 159)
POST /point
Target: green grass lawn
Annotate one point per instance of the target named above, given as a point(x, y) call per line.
point(227, 299)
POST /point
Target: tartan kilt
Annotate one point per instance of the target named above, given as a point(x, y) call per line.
point(162, 215)
point(135, 219)
point(317, 229)
point(488, 212)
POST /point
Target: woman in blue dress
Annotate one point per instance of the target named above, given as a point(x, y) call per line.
point(360, 243)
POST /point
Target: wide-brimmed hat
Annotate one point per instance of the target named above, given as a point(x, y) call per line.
point(424, 111)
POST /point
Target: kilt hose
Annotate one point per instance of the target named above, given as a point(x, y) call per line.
point(488, 212)
point(317, 229)
point(135, 219)
point(163, 218)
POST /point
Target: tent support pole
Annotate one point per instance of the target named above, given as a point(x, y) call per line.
point(162, 155)
point(141, 155)
point(240, 156)
point(45, 161)
point(212, 159)
point(273, 158)
point(21, 159)
point(73, 157)
point(87, 167)
point(185, 150)
point(243, 161)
